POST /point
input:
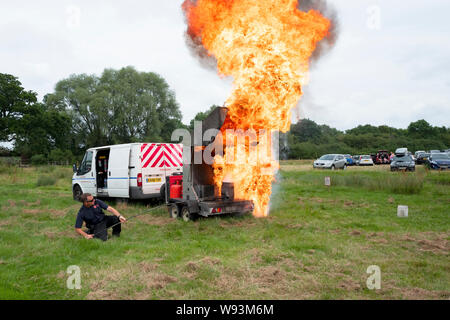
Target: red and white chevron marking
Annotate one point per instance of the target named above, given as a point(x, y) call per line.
point(158, 155)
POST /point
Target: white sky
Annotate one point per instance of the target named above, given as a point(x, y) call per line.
point(394, 74)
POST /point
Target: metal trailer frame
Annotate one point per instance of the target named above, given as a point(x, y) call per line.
point(199, 197)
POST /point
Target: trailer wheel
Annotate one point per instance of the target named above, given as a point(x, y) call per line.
point(174, 212)
point(186, 215)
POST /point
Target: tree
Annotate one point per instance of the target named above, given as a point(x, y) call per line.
point(41, 130)
point(14, 100)
point(306, 130)
point(421, 128)
point(121, 106)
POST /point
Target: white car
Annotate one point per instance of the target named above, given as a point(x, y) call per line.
point(365, 160)
point(331, 161)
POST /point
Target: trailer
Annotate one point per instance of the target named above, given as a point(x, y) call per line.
point(192, 193)
point(127, 171)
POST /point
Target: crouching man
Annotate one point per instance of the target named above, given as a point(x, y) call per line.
point(91, 212)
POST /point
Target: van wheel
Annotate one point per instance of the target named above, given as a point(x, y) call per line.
point(186, 215)
point(174, 211)
point(77, 193)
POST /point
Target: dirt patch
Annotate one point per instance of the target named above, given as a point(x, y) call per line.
point(159, 281)
point(11, 203)
point(193, 266)
point(270, 275)
point(57, 213)
point(349, 285)
point(390, 200)
point(429, 242)
point(355, 233)
point(32, 211)
point(334, 231)
point(148, 267)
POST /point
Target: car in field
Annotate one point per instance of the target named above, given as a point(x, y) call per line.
point(439, 161)
point(331, 161)
point(365, 160)
point(416, 154)
point(401, 151)
point(403, 163)
point(422, 158)
point(356, 159)
point(435, 151)
point(349, 160)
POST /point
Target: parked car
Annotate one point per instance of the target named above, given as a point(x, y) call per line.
point(331, 161)
point(439, 161)
point(401, 151)
point(356, 160)
point(382, 157)
point(422, 158)
point(403, 162)
point(365, 160)
point(416, 154)
point(435, 151)
point(349, 160)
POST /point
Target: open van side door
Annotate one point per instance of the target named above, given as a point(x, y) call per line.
point(118, 172)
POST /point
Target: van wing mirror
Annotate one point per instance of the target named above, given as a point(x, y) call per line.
point(74, 168)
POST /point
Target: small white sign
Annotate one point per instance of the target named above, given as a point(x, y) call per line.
point(327, 181)
point(402, 211)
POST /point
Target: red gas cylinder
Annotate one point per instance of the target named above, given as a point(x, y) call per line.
point(176, 191)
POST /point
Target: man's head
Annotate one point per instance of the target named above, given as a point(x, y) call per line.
point(87, 199)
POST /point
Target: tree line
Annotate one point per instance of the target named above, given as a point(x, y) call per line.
point(309, 140)
point(124, 106)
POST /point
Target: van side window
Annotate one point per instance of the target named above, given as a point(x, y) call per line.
point(86, 164)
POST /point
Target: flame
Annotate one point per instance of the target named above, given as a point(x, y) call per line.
point(265, 45)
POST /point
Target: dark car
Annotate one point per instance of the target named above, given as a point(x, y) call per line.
point(404, 163)
point(422, 158)
point(439, 161)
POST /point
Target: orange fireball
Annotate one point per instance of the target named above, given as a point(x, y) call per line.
point(265, 45)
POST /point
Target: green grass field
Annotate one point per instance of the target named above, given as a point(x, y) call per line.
point(317, 242)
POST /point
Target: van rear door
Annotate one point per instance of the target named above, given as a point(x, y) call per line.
point(118, 173)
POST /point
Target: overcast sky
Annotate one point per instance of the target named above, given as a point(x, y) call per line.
point(390, 65)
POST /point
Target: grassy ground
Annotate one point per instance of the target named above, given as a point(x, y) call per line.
point(317, 242)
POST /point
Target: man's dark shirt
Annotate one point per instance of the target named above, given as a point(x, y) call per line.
point(92, 215)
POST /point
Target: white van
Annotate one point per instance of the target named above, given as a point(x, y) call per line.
point(133, 171)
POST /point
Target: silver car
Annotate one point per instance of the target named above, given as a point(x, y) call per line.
point(331, 161)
